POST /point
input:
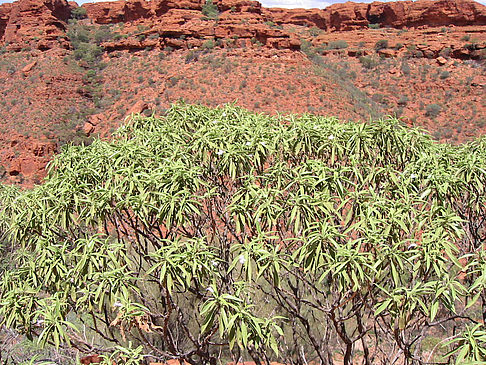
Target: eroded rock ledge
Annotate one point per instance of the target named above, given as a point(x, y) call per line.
point(43, 22)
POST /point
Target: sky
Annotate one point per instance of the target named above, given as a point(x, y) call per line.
point(281, 3)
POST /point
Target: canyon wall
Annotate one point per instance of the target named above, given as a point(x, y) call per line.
point(27, 20)
point(43, 20)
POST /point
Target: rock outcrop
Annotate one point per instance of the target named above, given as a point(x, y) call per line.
point(398, 14)
point(427, 13)
point(180, 23)
point(5, 10)
point(339, 17)
point(118, 11)
point(36, 23)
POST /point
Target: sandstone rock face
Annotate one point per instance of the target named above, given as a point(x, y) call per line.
point(427, 13)
point(180, 23)
point(131, 10)
point(117, 11)
point(4, 16)
point(28, 21)
point(42, 23)
point(312, 17)
point(337, 17)
point(399, 14)
point(239, 6)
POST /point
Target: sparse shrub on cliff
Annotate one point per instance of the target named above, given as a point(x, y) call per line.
point(79, 13)
point(413, 52)
point(445, 52)
point(403, 100)
point(444, 75)
point(472, 46)
point(482, 54)
point(433, 110)
point(314, 31)
point(339, 44)
point(210, 10)
point(192, 56)
point(368, 62)
point(405, 68)
point(374, 26)
point(102, 34)
point(209, 44)
point(256, 42)
point(381, 44)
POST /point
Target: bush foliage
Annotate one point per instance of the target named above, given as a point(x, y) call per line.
point(210, 10)
point(219, 234)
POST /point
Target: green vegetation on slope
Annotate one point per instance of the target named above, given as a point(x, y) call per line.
point(218, 234)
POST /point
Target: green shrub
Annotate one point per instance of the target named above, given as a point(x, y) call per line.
point(219, 234)
point(79, 13)
point(413, 52)
point(445, 52)
point(374, 26)
point(102, 34)
point(339, 44)
point(314, 31)
point(403, 100)
point(381, 44)
point(368, 62)
point(444, 74)
point(209, 44)
point(474, 45)
point(210, 10)
point(405, 68)
point(88, 52)
point(433, 110)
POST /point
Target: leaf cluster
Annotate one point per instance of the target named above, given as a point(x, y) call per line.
point(220, 233)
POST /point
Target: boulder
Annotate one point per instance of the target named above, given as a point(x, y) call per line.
point(137, 108)
point(441, 60)
point(29, 67)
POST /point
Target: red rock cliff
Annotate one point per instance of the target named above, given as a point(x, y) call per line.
point(42, 23)
point(400, 14)
point(345, 16)
point(30, 20)
point(125, 11)
point(4, 15)
point(427, 12)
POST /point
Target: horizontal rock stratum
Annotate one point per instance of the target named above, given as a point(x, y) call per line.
point(45, 20)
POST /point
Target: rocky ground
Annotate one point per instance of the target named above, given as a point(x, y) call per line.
point(70, 73)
